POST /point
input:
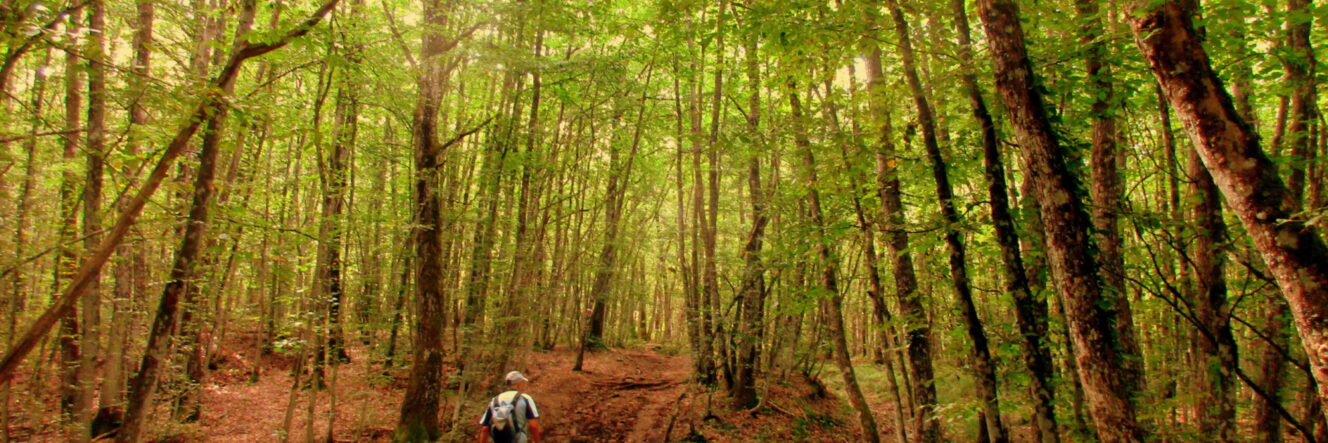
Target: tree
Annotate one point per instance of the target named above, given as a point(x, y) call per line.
point(1101, 362)
point(1030, 313)
point(1294, 252)
point(983, 366)
point(925, 426)
point(832, 302)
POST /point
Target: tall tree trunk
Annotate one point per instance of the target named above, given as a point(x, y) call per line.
point(704, 354)
point(752, 293)
point(1030, 313)
point(710, 234)
point(1294, 252)
point(1101, 362)
point(419, 408)
point(1105, 158)
point(332, 225)
point(70, 357)
point(61, 305)
point(832, 303)
point(18, 282)
point(1300, 68)
point(96, 151)
point(1276, 319)
point(926, 426)
point(1216, 344)
point(110, 410)
point(983, 367)
point(613, 208)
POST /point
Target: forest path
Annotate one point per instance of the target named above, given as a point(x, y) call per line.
point(623, 395)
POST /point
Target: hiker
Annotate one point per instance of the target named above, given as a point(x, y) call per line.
point(511, 417)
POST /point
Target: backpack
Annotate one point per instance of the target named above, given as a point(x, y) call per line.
point(503, 420)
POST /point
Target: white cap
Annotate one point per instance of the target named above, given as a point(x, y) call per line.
point(515, 376)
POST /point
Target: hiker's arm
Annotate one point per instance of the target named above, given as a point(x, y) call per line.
point(535, 436)
point(484, 434)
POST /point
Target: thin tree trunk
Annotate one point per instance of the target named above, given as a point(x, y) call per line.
point(926, 426)
point(185, 271)
point(17, 301)
point(832, 303)
point(70, 357)
point(1030, 313)
point(111, 404)
point(89, 268)
point(613, 208)
point(1216, 344)
point(1101, 365)
point(983, 367)
point(92, 190)
point(752, 293)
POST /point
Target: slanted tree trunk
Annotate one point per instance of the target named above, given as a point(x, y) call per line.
point(832, 302)
point(1101, 362)
point(983, 367)
point(1294, 252)
point(1030, 313)
point(926, 427)
point(184, 272)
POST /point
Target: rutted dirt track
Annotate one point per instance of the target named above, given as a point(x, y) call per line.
point(622, 395)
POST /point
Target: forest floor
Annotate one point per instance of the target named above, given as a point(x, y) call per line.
point(624, 395)
point(631, 395)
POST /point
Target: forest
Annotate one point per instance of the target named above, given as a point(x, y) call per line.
point(684, 220)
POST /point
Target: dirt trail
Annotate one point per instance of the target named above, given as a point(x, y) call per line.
point(623, 395)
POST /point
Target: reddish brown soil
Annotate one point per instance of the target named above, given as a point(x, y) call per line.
point(622, 396)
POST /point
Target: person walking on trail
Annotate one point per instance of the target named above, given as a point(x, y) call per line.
point(511, 417)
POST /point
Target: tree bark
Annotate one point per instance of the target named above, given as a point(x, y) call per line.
point(1105, 158)
point(983, 367)
point(1294, 252)
point(111, 404)
point(1102, 368)
point(419, 408)
point(89, 267)
point(1216, 344)
point(832, 300)
point(751, 296)
point(92, 190)
point(185, 270)
point(613, 208)
point(70, 355)
point(926, 426)
point(1030, 313)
